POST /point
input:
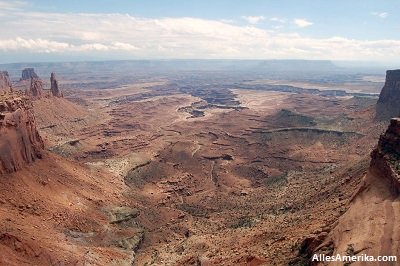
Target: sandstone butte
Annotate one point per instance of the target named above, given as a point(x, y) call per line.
point(388, 104)
point(28, 73)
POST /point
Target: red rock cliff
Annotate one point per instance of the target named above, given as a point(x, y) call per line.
point(36, 89)
point(5, 83)
point(370, 225)
point(20, 142)
point(386, 157)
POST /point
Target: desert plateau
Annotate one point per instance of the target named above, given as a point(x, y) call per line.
point(165, 172)
point(240, 133)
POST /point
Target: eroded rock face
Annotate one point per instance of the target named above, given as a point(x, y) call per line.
point(370, 224)
point(55, 91)
point(388, 104)
point(36, 88)
point(28, 73)
point(20, 142)
point(5, 83)
point(386, 157)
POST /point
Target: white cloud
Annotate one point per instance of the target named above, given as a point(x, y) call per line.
point(93, 47)
point(48, 46)
point(229, 21)
point(279, 20)
point(253, 19)
point(121, 46)
point(39, 45)
point(133, 37)
point(302, 23)
point(12, 5)
point(380, 14)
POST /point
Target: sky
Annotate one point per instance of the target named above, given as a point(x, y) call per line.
point(44, 30)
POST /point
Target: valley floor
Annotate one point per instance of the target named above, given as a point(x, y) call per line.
point(206, 177)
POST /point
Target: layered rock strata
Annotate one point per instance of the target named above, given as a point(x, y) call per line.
point(20, 142)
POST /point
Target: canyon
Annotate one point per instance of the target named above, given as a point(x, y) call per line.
point(195, 168)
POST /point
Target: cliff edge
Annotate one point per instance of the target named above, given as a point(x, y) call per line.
point(20, 142)
point(370, 225)
point(388, 104)
point(386, 157)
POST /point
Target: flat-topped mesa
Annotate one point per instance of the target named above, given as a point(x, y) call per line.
point(386, 157)
point(55, 91)
point(388, 105)
point(35, 90)
point(20, 142)
point(5, 83)
point(28, 73)
point(393, 75)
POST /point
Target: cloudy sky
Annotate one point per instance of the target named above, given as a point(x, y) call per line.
point(44, 30)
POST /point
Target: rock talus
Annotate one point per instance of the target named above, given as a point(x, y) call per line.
point(20, 142)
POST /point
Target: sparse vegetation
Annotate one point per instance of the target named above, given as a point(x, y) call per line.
point(349, 252)
point(194, 210)
point(300, 262)
point(244, 222)
point(276, 180)
point(292, 118)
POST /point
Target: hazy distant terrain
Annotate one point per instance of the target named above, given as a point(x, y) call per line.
point(275, 75)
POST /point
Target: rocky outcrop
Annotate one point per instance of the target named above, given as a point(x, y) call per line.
point(35, 90)
point(55, 91)
point(370, 225)
point(388, 104)
point(28, 73)
point(20, 142)
point(386, 157)
point(5, 83)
